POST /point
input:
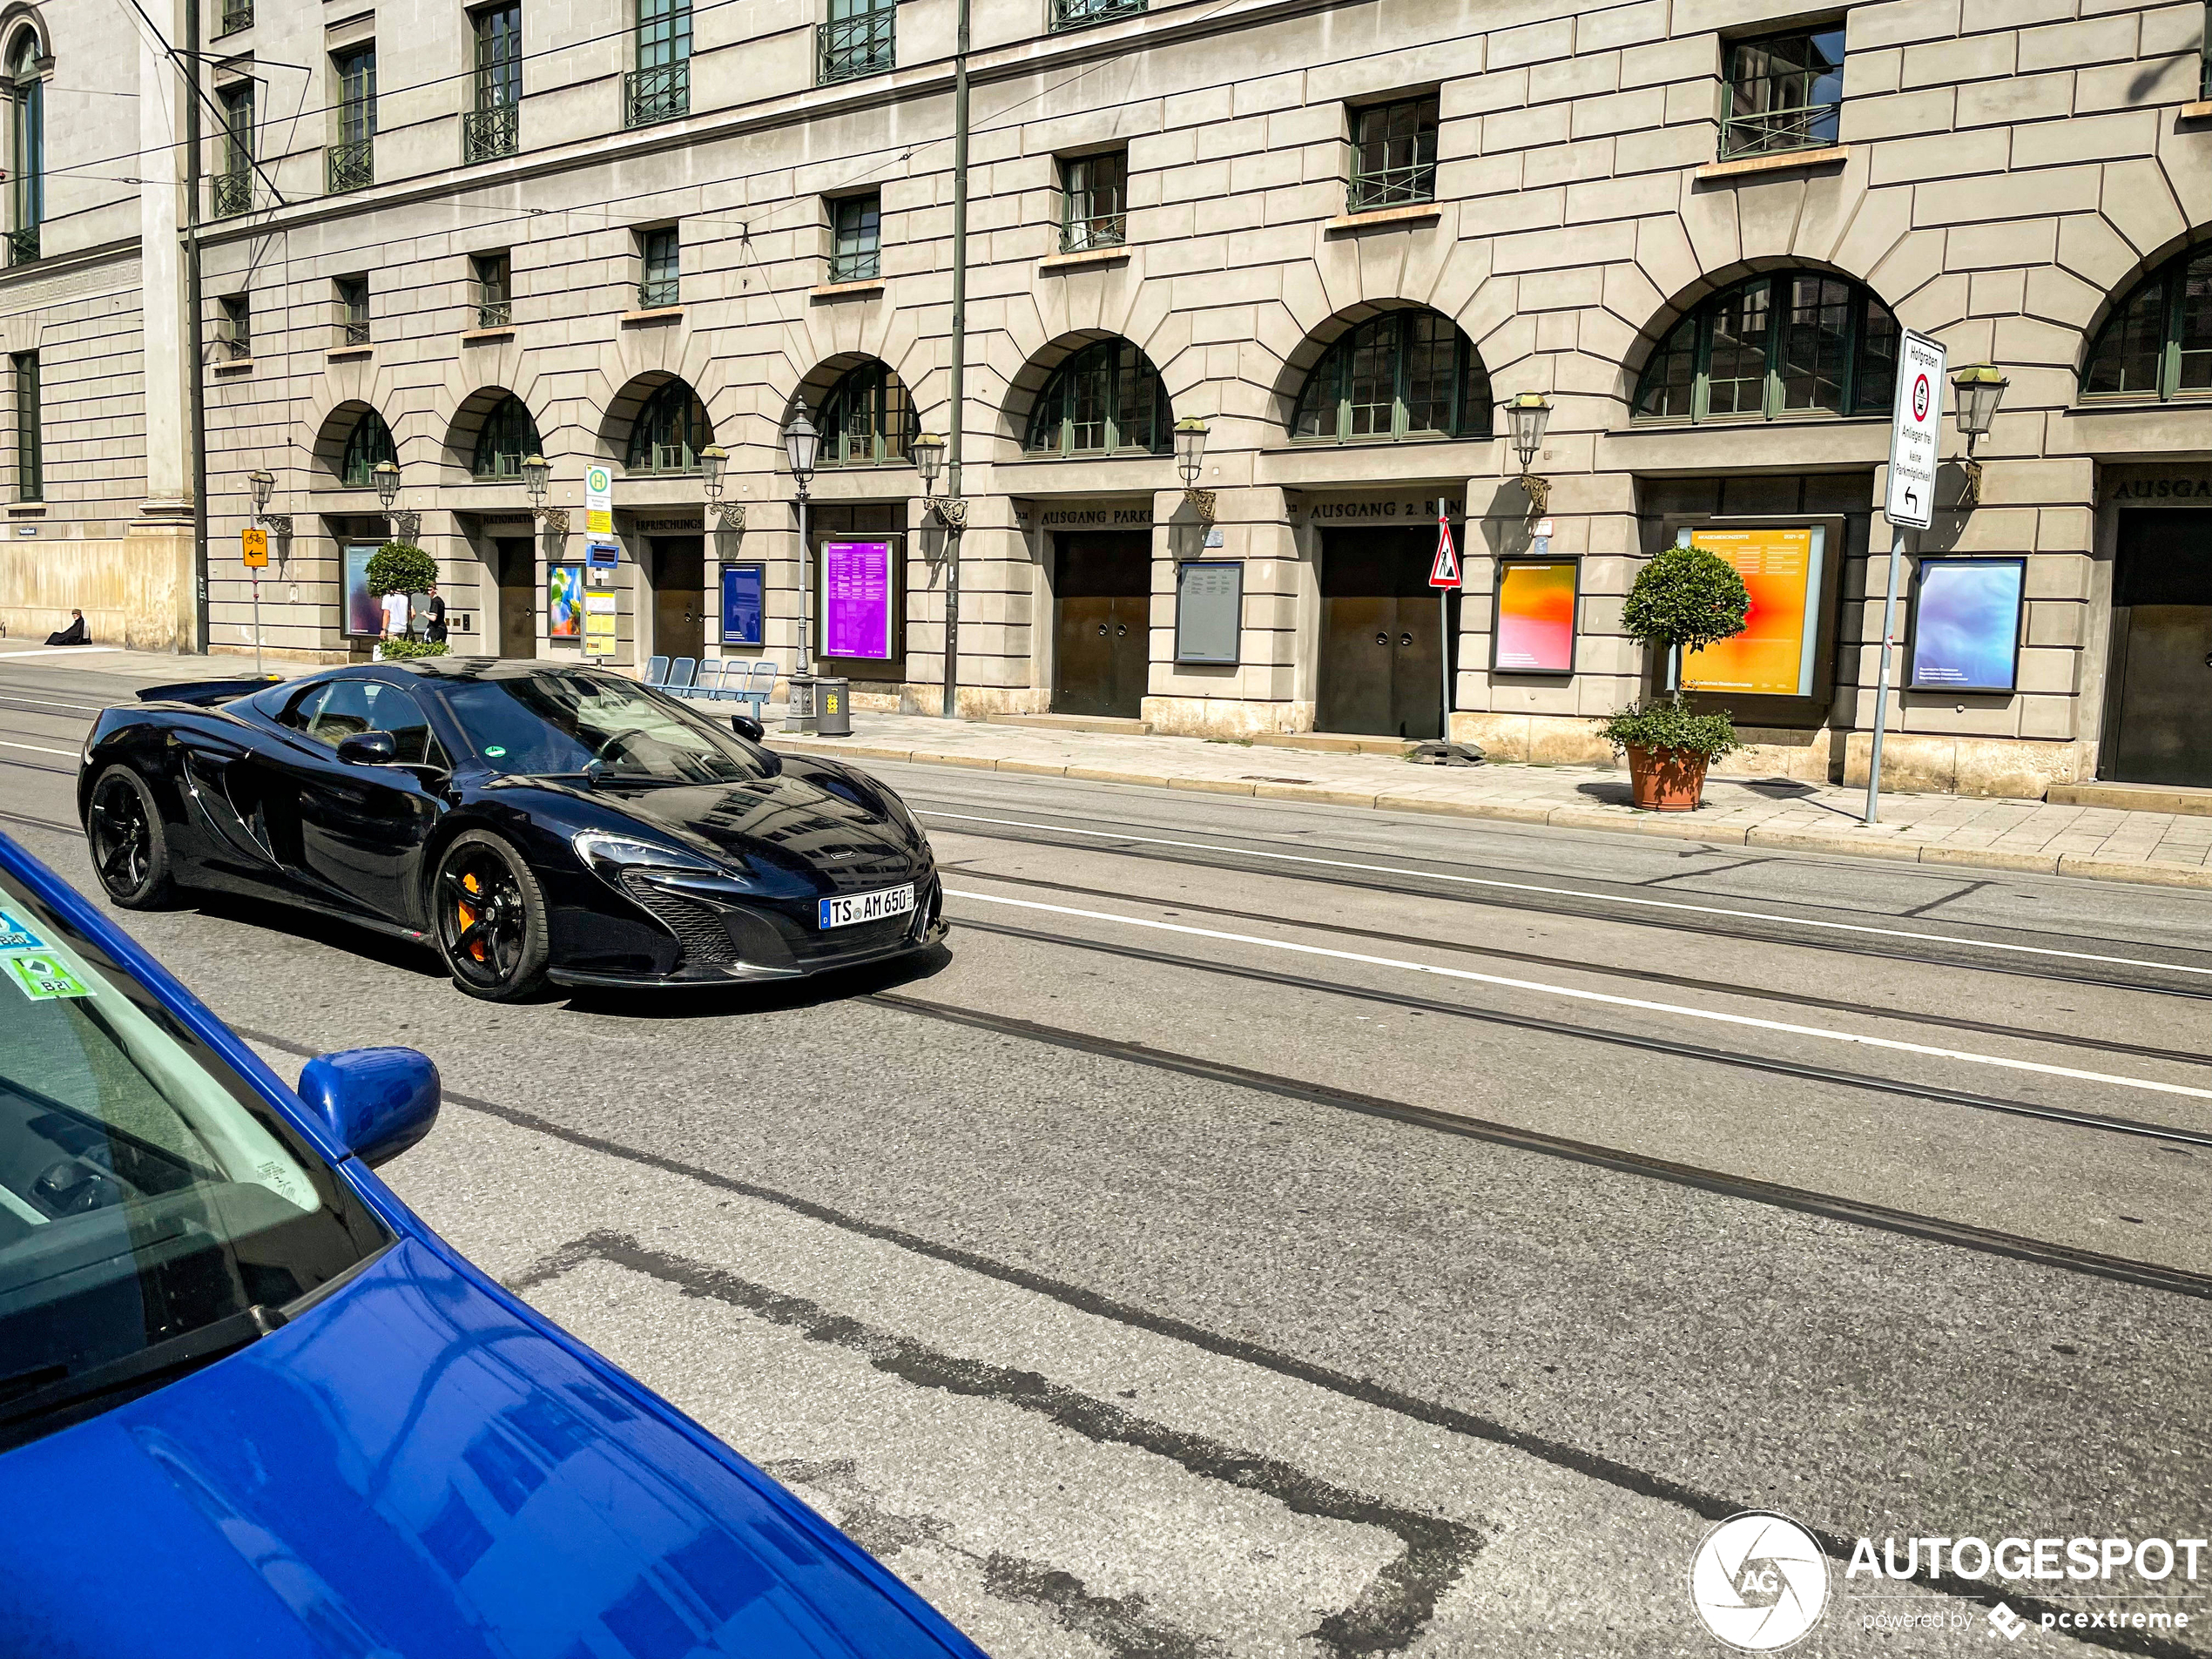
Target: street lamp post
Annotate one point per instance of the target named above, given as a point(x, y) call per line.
point(801, 444)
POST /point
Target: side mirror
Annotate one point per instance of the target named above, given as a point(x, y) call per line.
point(748, 728)
point(377, 1101)
point(368, 749)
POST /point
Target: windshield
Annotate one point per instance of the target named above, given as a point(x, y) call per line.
point(146, 1193)
point(561, 721)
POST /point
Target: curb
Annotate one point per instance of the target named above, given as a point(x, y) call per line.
point(1683, 828)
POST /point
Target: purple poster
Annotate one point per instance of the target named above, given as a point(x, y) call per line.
point(856, 600)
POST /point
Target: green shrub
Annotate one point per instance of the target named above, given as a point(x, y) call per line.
point(399, 567)
point(399, 650)
point(1686, 597)
point(1669, 723)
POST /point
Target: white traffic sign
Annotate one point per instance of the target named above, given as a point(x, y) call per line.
point(598, 501)
point(1444, 573)
point(1916, 432)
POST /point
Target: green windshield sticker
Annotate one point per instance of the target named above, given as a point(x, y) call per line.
point(16, 934)
point(42, 979)
point(495, 752)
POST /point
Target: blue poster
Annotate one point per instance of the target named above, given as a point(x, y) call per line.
point(1966, 625)
point(742, 604)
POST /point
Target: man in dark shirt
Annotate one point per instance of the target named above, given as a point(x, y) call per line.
point(433, 612)
point(72, 635)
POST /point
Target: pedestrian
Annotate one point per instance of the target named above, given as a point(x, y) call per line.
point(72, 635)
point(395, 609)
point(434, 611)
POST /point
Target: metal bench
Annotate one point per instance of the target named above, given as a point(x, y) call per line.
point(708, 686)
point(657, 670)
point(680, 674)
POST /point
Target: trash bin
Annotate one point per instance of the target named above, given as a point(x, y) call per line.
point(834, 708)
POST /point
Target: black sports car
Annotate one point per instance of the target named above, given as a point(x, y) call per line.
point(533, 820)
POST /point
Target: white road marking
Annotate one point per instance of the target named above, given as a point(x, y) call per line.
point(66, 754)
point(1822, 1032)
point(48, 703)
point(59, 651)
point(1576, 892)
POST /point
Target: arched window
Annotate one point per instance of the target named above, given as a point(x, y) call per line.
point(670, 432)
point(369, 442)
point(1402, 375)
point(26, 146)
point(2158, 342)
point(866, 418)
point(1106, 397)
point(507, 436)
point(1794, 342)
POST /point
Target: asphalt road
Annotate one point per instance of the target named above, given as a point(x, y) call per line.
point(1280, 1230)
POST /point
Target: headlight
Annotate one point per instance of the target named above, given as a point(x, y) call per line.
point(609, 856)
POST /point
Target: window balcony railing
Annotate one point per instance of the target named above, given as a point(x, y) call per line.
point(851, 47)
point(486, 135)
point(1074, 14)
point(22, 245)
point(1392, 186)
point(661, 94)
point(350, 166)
point(240, 347)
point(495, 314)
point(1809, 126)
point(1081, 235)
point(236, 15)
point(230, 194)
point(654, 292)
point(353, 331)
point(862, 265)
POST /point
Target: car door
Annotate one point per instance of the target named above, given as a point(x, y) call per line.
point(245, 806)
point(362, 828)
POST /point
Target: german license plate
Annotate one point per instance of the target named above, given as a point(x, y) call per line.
point(848, 908)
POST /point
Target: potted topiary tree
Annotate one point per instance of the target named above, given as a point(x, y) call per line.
point(1685, 599)
point(400, 567)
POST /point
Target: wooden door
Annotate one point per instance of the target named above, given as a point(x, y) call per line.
point(516, 558)
point(679, 596)
point(1102, 624)
point(1381, 669)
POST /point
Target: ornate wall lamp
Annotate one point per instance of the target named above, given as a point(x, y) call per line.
point(537, 476)
point(1189, 458)
point(928, 454)
point(1529, 415)
point(1980, 387)
point(714, 466)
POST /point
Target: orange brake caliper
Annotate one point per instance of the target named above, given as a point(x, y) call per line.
point(469, 919)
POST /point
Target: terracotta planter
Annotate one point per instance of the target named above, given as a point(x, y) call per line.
point(1666, 780)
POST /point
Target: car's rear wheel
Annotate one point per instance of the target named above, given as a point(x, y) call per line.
point(489, 918)
point(130, 848)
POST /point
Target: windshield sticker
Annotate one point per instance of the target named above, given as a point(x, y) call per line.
point(43, 979)
point(16, 934)
point(494, 752)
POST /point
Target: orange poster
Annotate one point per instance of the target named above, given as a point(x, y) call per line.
point(1773, 657)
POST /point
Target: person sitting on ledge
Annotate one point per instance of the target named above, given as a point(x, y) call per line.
point(72, 635)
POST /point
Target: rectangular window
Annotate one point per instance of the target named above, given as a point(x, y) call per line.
point(350, 295)
point(856, 253)
point(1785, 93)
point(230, 16)
point(231, 188)
point(1394, 153)
point(1095, 201)
point(1074, 14)
point(31, 463)
point(351, 162)
point(493, 127)
point(660, 88)
point(859, 38)
point(1736, 382)
point(234, 324)
point(493, 276)
point(660, 265)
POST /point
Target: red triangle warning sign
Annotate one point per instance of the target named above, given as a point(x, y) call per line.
point(1444, 573)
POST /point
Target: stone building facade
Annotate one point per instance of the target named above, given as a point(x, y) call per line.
point(1338, 234)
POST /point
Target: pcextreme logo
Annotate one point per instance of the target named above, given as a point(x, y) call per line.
point(1759, 1581)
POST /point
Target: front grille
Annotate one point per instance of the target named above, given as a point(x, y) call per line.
point(697, 927)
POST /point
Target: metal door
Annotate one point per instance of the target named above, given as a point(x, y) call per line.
point(1382, 639)
point(1102, 624)
point(679, 596)
point(2162, 650)
point(516, 559)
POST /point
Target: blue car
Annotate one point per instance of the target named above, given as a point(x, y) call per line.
point(250, 1405)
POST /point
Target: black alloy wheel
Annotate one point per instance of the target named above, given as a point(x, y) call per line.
point(489, 919)
point(130, 848)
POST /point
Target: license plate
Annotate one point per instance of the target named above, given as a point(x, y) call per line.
point(845, 910)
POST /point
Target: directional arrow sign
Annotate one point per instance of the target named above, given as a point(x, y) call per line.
point(1916, 428)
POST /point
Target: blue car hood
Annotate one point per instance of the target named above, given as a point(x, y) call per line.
point(409, 1470)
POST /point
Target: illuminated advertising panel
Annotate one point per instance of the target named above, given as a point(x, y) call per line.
point(1535, 630)
point(1773, 657)
point(1966, 625)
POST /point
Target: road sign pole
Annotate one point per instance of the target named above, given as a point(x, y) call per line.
point(1444, 633)
point(1916, 431)
point(1882, 678)
point(257, 623)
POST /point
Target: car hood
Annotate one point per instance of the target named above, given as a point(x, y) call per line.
point(409, 1469)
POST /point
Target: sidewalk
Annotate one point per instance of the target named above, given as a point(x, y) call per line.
point(2163, 848)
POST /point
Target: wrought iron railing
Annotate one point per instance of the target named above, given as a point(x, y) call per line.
point(1392, 186)
point(239, 346)
point(1806, 126)
point(1074, 14)
point(353, 331)
point(656, 292)
point(495, 314)
point(486, 135)
point(230, 194)
point(350, 166)
point(22, 245)
point(1090, 231)
point(661, 94)
point(850, 47)
point(237, 15)
point(860, 265)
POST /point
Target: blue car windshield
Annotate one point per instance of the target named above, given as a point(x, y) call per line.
point(149, 1200)
point(560, 721)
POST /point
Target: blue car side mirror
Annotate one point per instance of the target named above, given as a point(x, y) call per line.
point(377, 1101)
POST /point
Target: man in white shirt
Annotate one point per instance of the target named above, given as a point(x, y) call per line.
point(395, 616)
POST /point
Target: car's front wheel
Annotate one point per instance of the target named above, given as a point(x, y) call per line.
point(489, 917)
point(130, 848)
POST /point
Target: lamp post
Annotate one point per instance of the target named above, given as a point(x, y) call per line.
point(1979, 389)
point(1530, 415)
point(801, 445)
point(1189, 458)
